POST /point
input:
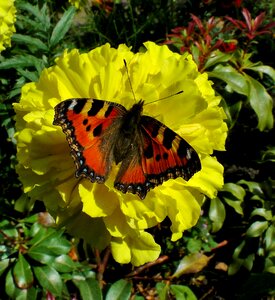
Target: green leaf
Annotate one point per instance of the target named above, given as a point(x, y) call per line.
point(38, 232)
point(236, 205)
point(64, 263)
point(3, 265)
point(194, 245)
point(216, 58)
point(233, 112)
point(192, 263)
point(236, 190)
point(217, 214)
point(62, 26)
point(4, 223)
point(162, 290)
point(257, 228)
point(265, 213)
point(270, 269)
point(261, 102)
point(10, 231)
point(29, 41)
point(10, 286)
point(22, 273)
point(20, 61)
point(31, 76)
point(238, 250)
point(27, 294)
point(31, 219)
point(270, 261)
point(268, 155)
point(182, 292)
point(248, 261)
point(270, 238)
point(49, 279)
point(40, 14)
point(56, 245)
point(195, 53)
point(137, 297)
point(253, 187)
point(89, 289)
point(15, 293)
point(235, 266)
point(23, 203)
point(41, 254)
point(49, 238)
point(264, 69)
point(121, 289)
point(232, 77)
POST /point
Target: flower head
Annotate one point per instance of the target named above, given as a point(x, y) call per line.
point(7, 19)
point(98, 212)
point(75, 3)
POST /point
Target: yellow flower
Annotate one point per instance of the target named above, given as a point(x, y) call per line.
point(76, 3)
point(98, 212)
point(7, 19)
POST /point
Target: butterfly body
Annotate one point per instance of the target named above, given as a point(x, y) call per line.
point(101, 133)
point(130, 136)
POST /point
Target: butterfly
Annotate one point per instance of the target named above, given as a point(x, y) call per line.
point(101, 133)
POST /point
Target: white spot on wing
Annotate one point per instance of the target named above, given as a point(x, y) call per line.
point(72, 105)
point(188, 153)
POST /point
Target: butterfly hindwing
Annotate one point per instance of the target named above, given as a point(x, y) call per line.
point(131, 177)
point(89, 125)
point(165, 154)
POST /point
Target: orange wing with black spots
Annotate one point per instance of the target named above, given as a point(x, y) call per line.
point(89, 125)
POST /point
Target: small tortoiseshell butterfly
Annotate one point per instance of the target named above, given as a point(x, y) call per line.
point(101, 132)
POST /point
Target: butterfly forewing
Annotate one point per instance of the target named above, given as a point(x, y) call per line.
point(89, 125)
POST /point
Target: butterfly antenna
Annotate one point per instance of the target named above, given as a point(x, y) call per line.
point(128, 75)
point(163, 98)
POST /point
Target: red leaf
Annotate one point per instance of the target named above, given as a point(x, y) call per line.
point(247, 17)
point(258, 20)
point(198, 22)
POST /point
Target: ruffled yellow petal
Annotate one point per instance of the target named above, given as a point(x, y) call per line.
point(97, 200)
point(136, 249)
point(121, 251)
point(144, 214)
point(7, 20)
point(182, 204)
point(117, 224)
point(210, 179)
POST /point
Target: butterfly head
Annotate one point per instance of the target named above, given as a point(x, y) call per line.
point(133, 115)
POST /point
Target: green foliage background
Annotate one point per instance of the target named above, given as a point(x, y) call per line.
point(230, 253)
